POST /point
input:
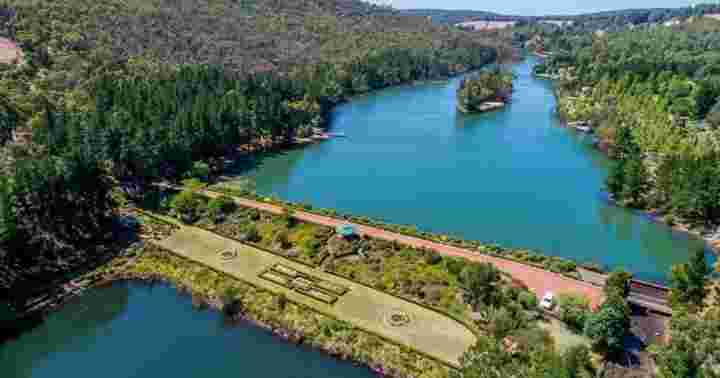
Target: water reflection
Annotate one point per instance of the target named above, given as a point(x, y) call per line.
point(133, 330)
point(85, 318)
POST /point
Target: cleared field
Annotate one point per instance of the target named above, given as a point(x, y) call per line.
point(421, 329)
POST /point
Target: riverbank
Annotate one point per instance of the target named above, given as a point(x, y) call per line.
point(240, 301)
point(711, 237)
point(483, 108)
point(276, 314)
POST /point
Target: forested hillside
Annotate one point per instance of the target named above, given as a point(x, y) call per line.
point(652, 95)
point(112, 92)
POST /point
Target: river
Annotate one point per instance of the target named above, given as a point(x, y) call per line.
point(512, 177)
point(135, 330)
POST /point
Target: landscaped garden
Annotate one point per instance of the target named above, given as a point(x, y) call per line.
point(298, 323)
point(491, 303)
point(418, 275)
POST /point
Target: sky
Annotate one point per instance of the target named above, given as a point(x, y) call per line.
point(539, 7)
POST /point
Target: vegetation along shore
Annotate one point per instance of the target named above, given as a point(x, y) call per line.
point(655, 117)
point(117, 116)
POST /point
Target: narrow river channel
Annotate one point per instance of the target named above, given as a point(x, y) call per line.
point(513, 177)
point(133, 330)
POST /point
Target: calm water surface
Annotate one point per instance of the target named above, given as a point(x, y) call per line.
point(512, 177)
point(133, 330)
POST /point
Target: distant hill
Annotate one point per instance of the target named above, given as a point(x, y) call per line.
point(442, 16)
point(634, 16)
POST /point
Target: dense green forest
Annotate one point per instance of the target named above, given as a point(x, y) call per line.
point(652, 96)
point(115, 94)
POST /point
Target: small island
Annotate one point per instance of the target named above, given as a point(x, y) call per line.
point(484, 92)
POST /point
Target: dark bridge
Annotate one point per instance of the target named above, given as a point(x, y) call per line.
point(650, 296)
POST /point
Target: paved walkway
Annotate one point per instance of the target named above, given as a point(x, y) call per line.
point(538, 280)
point(428, 332)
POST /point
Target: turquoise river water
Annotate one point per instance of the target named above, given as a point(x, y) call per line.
point(513, 177)
point(133, 330)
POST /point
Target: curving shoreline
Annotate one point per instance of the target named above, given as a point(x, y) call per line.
point(259, 309)
point(293, 322)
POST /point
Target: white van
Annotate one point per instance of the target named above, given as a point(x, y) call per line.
point(548, 301)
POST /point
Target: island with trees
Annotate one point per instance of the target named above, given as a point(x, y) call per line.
point(485, 91)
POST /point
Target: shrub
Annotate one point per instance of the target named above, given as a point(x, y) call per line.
point(332, 327)
point(528, 300)
point(254, 215)
point(217, 207)
point(454, 265)
point(481, 284)
point(574, 310)
point(607, 327)
point(193, 184)
point(563, 266)
point(281, 301)
point(232, 304)
point(618, 282)
point(251, 234)
point(186, 205)
point(152, 200)
point(201, 171)
point(282, 240)
point(287, 217)
point(311, 246)
point(432, 258)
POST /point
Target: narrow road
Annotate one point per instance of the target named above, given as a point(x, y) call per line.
point(538, 280)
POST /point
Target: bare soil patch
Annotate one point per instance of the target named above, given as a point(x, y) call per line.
point(10, 53)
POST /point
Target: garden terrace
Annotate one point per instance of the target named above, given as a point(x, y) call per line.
point(285, 318)
point(538, 280)
point(417, 274)
point(429, 332)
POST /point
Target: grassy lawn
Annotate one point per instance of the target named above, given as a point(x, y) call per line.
point(428, 332)
point(313, 328)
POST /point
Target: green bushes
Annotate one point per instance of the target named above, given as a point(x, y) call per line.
point(556, 264)
point(607, 327)
point(573, 310)
point(528, 300)
point(454, 265)
point(618, 282)
point(201, 171)
point(187, 206)
point(331, 327)
point(218, 207)
point(481, 285)
point(251, 234)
